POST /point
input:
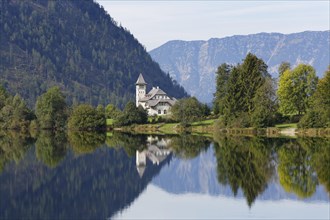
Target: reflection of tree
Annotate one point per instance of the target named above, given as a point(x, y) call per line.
point(129, 142)
point(319, 148)
point(13, 147)
point(295, 171)
point(244, 163)
point(188, 146)
point(85, 142)
point(51, 147)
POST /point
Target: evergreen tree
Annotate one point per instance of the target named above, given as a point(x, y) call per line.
point(247, 94)
point(222, 76)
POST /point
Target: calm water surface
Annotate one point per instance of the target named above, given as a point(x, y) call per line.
point(123, 176)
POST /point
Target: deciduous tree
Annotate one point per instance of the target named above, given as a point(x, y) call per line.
point(295, 89)
point(51, 109)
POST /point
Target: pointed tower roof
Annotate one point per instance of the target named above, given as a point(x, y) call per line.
point(140, 80)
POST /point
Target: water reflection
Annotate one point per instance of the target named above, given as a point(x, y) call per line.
point(245, 163)
point(85, 142)
point(156, 151)
point(51, 147)
point(93, 176)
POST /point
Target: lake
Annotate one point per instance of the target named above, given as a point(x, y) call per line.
point(125, 176)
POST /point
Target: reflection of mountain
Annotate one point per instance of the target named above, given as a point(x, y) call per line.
point(91, 186)
point(199, 175)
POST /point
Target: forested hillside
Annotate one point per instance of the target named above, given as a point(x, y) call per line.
point(77, 46)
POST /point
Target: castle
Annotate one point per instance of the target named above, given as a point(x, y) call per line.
point(156, 102)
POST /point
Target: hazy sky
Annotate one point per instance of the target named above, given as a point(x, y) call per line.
point(154, 23)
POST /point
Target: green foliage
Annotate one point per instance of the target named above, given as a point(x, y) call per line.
point(85, 117)
point(318, 114)
point(111, 112)
point(319, 150)
point(51, 147)
point(75, 45)
point(51, 109)
point(188, 110)
point(264, 113)
point(245, 94)
point(129, 142)
point(189, 146)
point(295, 89)
point(85, 142)
point(132, 115)
point(295, 171)
point(244, 163)
point(283, 67)
point(14, 114)
point(13, 147)
point(222, 76)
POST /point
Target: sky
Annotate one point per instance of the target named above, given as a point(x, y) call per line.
point(154, 23)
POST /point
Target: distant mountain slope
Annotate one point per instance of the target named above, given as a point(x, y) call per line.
point(193, 63)
point(76, 45)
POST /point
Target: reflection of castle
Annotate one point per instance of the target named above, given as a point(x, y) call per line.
point(156, 152)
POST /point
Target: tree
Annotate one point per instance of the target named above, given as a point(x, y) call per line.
point(14, 114)
point(265, 105)
point(318, 115)
point(284, 66)
point(3, 97)
point(187, 110)
point(132, 115)
point(295, 89)
point(51, 109)
point(85, 117)
point(253, 73)
point(242, 93)
point(112, 112)
point(222, 76)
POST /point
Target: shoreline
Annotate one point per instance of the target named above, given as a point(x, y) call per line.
point(209, 129)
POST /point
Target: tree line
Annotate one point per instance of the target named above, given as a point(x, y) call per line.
point(51, 113)
point(247, 96)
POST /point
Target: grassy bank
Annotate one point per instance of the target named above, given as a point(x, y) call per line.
point(208, 128)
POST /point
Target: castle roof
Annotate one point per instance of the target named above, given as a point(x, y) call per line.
point(140, 80)
point(154, 102)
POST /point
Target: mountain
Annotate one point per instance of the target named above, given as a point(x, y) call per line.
point(77, 46)
point(193, 63)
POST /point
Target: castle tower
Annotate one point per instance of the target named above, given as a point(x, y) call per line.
point(141, 88)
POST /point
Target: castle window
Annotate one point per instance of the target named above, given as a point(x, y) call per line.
point(165, 112)
point(159, 112)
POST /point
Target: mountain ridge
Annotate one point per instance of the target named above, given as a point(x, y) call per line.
point(193, 63)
